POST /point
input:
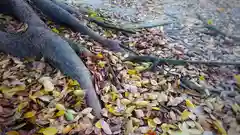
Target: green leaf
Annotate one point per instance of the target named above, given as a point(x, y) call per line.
point(69, 116)
point(210, 22)
point(29, 114)
point(55, 30)
point(202, 78)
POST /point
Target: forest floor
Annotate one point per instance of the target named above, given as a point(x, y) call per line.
point(177, 100)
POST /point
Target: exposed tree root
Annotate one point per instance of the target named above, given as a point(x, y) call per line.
point(39, 41)
point(59, 15)
point(73, 10)
point(156, 61)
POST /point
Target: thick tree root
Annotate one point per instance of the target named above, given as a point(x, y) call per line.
point(103, 24)
point(157, 61)
point(39, 41)
point(60, 15)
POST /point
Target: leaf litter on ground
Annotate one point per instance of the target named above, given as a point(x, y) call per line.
point(35, 98)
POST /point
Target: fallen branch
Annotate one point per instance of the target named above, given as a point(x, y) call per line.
point(176, 62)
point(215, 29)
point(146, 25)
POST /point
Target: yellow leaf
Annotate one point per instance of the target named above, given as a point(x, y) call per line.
point(125, 101)
point(201, 78)
point(185, 115)
point(98, 124)
point(101, 64)
point(36, 95)
point(111, 109)
point(189, 104)
point(209, 21)
point(50, 131)
point(60, 107)
point(56, 93)
point(114, 96)
point(79, 93)
point(21, 106)
point(29, 114)
point(129, 63)
point(60, 113)
point(99, 56)
point(132, 72)
point(138, 84)
point(237, 78)
point(156, 108)
point(217, 124)
point(166, 127)
point(132, 44)
point(9, 92)
point(151, 123)
point(12, 133)
point(135, 78)
point(140, 68)
point(55, 30)
point(107, 33)
point(73, 82)
point(126, 94)
point(236, 108)
point(141, 103)
point(129, 110)
point(67, 129)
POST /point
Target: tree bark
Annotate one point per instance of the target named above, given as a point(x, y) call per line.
point(39, 41)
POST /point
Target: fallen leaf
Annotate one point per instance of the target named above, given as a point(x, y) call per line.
point(139, 113)
point(105, 127)
point(151, 123)
point(12, 133)
point(189, 104)
point(175, 101)
point(185, 115)
point(47, 84)
point(67, 129)
point(49, 131)
point(60, 107)
point(60, 113)
point(132, 72)
point(86, 111)
point(129, 127)
point(79, 93)
point(218, 125)
point(209, 21)
point(29, 114)
point(69, 116)
point(55, 30)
